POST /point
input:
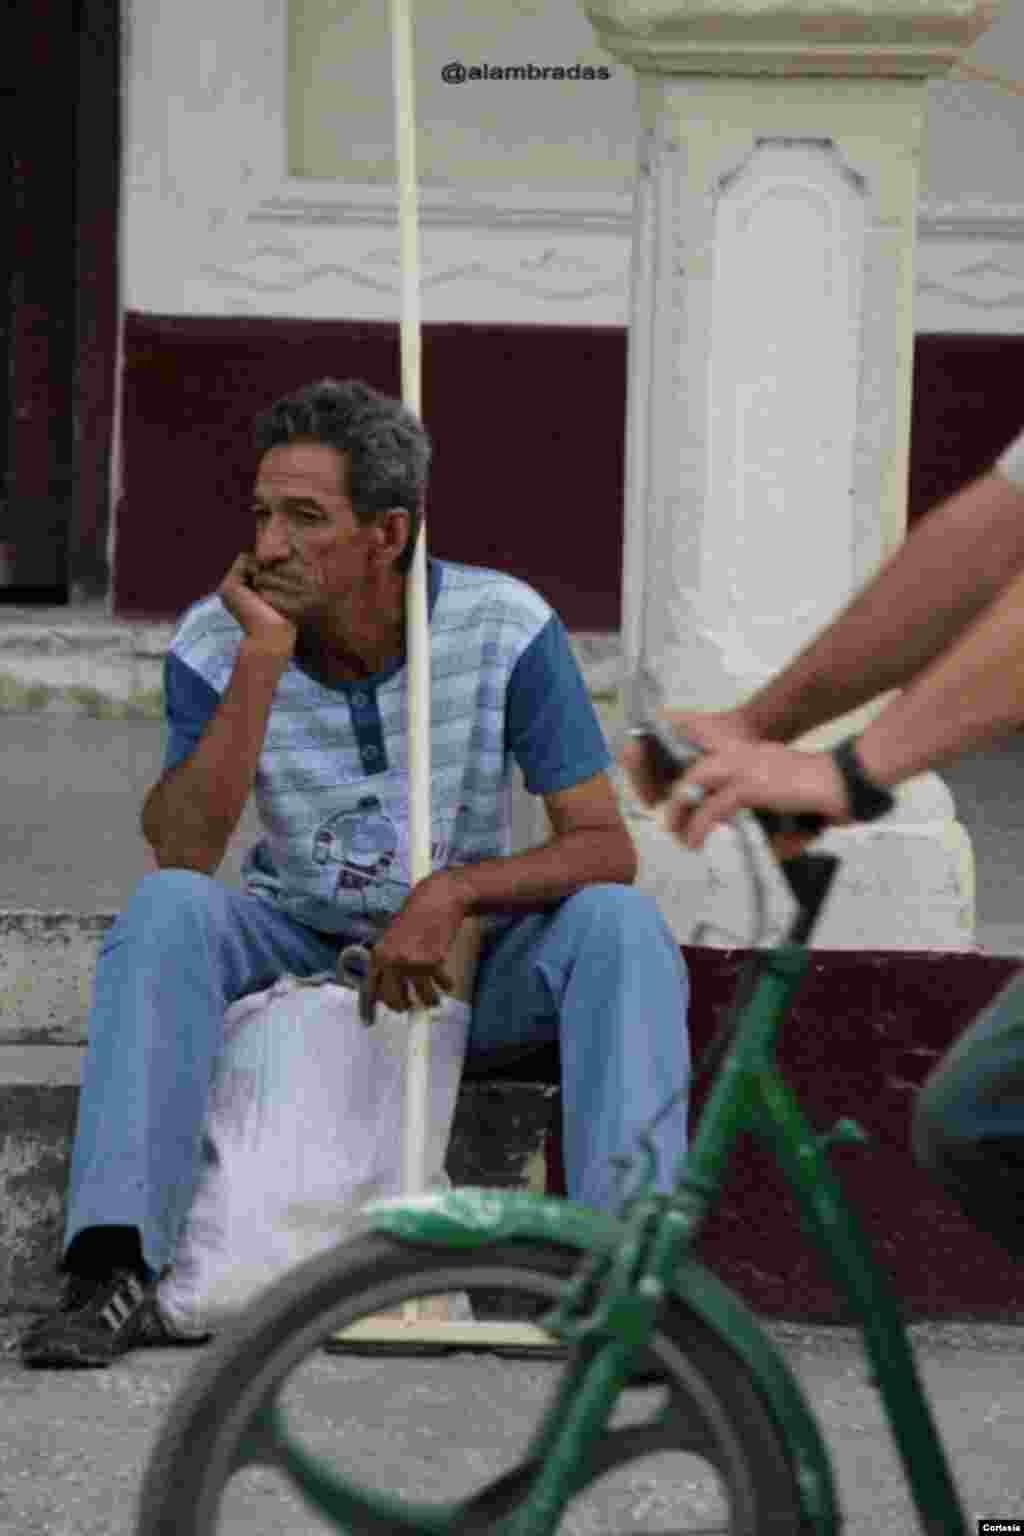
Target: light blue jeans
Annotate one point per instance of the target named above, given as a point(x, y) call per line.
point(601, 973)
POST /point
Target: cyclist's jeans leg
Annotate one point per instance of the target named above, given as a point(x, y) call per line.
point(969, 1121)
point(603, 974)
point(184, 947)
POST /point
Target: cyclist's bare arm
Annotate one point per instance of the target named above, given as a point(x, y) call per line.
point(970, 696)
point(956, 561)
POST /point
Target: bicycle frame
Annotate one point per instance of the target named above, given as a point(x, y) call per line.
point(748, 1094)
point(646, 1253)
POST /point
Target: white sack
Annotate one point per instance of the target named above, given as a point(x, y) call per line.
point(304, 1126)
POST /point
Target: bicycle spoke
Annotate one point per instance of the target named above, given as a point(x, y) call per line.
point(667, 1429)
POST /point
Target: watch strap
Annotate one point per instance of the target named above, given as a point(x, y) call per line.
point(867, 800)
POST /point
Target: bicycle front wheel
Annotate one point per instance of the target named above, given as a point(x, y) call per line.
point(433, 1444)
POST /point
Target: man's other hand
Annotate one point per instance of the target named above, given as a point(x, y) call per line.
point(408, 963)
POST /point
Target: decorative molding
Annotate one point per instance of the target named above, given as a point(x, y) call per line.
point(322, 251)
point(318, 204)
point(543, 272)
point(911, 38)
point(565, 283)
point(970, 220)
point(988, 286)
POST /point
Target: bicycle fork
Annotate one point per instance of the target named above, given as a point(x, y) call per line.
point(609, 1342)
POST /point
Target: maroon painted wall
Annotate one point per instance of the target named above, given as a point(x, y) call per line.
point(968, 402)
point(527, 428)
point(529, 431)
point(866, 1029)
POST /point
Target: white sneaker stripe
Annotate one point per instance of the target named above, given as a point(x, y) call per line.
point(118, 1309)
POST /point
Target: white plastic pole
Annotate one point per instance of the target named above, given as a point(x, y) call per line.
point(417, 634)
point(420, 1322)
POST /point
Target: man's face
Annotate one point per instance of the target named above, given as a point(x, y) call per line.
point(309, 549)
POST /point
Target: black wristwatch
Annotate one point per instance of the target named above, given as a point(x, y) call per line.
point(867, 801)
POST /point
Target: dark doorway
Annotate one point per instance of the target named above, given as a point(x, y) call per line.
point(59, 184)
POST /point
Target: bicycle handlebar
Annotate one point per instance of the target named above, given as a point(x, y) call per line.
point(808, 875)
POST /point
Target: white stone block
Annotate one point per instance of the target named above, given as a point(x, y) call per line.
point(904, 883)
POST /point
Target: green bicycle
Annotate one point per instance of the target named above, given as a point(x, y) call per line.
point(669, 1407)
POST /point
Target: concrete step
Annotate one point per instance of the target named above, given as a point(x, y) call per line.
point(81, 661)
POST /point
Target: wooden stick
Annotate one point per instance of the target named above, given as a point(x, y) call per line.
point(416, 629)
point(420, 1321)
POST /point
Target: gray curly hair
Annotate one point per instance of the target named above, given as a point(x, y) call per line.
point(388, 448)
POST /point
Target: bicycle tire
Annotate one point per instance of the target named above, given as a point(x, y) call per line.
point(712, 1401)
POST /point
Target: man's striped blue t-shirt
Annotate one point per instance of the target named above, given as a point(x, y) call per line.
point(331, 784)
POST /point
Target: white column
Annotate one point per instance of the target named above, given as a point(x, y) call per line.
point(770, 356)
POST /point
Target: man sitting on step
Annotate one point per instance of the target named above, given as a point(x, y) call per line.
point(290, 683)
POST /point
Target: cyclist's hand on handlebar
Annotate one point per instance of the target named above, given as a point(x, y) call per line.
point(737, 771)
point(763, 775)
point(707, 729)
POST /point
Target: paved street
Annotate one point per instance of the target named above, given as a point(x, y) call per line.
point(74, 1444)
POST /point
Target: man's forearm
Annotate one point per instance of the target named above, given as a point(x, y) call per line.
point(971, 696)
point(956, 560)
point(542, 877)
point(191, 814)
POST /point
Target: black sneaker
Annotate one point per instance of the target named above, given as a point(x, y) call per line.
point(76, 1290)
point(98, 1321)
